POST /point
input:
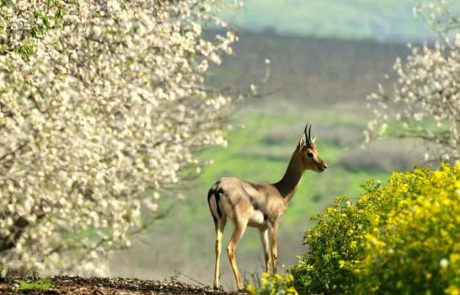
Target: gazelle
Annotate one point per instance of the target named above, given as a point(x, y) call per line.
point(259, 205)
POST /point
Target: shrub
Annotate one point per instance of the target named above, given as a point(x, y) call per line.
point(274, 285)
point(398, 238)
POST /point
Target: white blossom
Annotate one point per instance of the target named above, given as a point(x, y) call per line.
point(427, 89)
point(101, 103)
point(443, 263)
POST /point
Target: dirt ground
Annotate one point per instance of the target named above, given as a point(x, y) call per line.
point(101, 286)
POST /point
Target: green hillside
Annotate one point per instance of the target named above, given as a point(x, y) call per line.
point(381, 20)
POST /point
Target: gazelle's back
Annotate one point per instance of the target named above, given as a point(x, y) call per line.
point(242, 201)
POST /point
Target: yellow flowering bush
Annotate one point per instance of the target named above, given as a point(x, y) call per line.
point(274, 285)
point(402, 237)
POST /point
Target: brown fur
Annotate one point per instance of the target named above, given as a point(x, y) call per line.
point(258, 205)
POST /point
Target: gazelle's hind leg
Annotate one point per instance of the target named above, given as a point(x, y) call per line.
point(220, 225)
point(264, 238)
point(220, 219)
point(231, 250)
point(274, 246)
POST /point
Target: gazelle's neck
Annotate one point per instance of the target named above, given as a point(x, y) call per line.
point(288, 184)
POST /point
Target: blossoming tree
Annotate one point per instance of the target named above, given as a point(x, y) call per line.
point(102, 107)
point(425, 101)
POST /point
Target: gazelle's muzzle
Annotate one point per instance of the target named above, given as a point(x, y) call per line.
point(322, 167)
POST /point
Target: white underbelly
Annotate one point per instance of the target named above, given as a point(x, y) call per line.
point(257, 219)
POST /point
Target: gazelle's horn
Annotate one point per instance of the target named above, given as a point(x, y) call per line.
point(307, 133)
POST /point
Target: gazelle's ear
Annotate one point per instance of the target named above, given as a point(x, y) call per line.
point(303, 141)
point(314, 139)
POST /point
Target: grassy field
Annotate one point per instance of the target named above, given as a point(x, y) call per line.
point(324, 83)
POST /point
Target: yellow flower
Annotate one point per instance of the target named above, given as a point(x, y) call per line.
point(454, 257)
point(453, 290)
point(289, 278)
point(353, 245)
point(291, 291)
point(251, 289)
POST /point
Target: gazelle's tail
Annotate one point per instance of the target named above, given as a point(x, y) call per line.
point(214, 201)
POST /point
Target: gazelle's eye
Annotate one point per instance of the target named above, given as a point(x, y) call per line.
point(310, 154)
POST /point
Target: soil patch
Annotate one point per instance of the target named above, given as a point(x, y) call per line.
point(101, 286)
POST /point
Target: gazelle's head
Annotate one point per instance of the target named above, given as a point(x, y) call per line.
point(309, 157)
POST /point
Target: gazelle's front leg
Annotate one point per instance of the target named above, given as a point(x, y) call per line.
point(274, 246)
point(264, 238)
point(231, 250)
